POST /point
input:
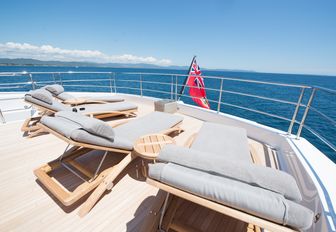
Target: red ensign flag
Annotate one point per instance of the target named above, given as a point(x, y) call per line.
point(196, 86)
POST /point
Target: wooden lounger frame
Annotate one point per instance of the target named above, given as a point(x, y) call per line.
point(102, 182)
point(242, 216)
point(30, 125)
point(254, 222)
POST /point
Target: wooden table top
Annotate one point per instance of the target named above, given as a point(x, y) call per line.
point(149, 146)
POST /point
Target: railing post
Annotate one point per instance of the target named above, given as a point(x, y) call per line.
point(32, 80)
point(140, 77)
point(175, 87)
point(220, 96)
point(60, 78)
point(2, 117)
point(53, 76)
point(111, 82)
point(171, 86)
point(296, 111)
point(305, 113)
point(115, 82)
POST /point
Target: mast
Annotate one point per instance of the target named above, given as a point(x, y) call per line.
point(186, 79)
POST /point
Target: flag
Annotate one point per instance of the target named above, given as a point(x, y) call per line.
point(196, 85)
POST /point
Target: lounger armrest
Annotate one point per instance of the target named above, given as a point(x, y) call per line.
point(264, 177)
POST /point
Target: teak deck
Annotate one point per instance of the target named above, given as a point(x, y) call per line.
point(27, 206)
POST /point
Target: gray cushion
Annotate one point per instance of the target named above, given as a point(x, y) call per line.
point(91, 125)
point(152, 123)
point(105, 98)
point(84, 109)
point(54, 89)
point(55, 106)
point(65, 96)
point(60, 125)
point(216, 138)
point(256, 175)
point(112, 98)
point(41, 95)
point(105, 108)
point(124, 135)
point(251, 199)
point(75, 132)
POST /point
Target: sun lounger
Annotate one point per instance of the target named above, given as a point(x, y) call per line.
point(86, 134)
point(47, 105)
point(58, 92)
point(217, 172)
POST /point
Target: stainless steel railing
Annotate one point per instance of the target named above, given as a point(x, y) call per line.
point(138, 82)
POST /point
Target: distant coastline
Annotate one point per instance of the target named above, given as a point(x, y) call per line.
point(24, 62)
point(35, 62)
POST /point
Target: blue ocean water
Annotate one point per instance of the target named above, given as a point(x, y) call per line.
point(325, 102)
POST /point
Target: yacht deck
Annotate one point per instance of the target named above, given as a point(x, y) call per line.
point(27, 206)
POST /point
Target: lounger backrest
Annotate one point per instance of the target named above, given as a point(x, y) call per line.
point(54, 89)
point(91, 125)
point(43, 98)
point(223, 140)
point(58, 91)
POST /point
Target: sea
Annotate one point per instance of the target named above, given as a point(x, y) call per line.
point(320, 121)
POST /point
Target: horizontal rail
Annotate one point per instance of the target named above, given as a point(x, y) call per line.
point(322, 138)
point(90, 86)
point(248, 109)
point(11, 87)
point(226, 78)
point(261, 97)
point(123, 87)
point(165, 74)
point(257, 111)
point(84, 80)
point(16, 83)
point(325, 89)
point(156, 91)
point(323, 115)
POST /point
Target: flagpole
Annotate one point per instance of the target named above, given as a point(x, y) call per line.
point(186, 79)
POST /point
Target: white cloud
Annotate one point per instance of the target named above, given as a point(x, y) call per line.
point(48, 52)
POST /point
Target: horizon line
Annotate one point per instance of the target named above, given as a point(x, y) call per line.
point(154, 66)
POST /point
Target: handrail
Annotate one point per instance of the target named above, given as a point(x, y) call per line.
point(325, 89)
point(323, 139)
point(172, 80)
point(166, 74)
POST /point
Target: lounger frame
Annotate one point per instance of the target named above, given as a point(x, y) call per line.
point(102, 182)
point(240, 215)
point(253, 221)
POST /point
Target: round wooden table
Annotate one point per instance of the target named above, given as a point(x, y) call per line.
point(149, 146)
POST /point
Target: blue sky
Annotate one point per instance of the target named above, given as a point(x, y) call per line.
point(288, 36)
